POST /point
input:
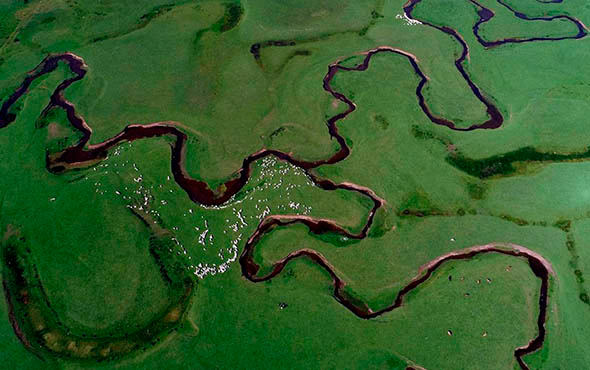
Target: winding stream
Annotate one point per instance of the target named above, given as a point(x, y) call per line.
point(82, 154)
point(486, 14)
point(540, 267)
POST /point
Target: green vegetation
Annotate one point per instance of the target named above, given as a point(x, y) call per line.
point(39, 328)
point(87, 280)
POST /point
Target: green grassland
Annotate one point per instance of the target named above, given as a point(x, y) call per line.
point(100, 275)
point(505, 24)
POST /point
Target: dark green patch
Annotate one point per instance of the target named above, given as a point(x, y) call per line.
point(564, 225)
point(288, 273)
point(155, 12)
point(571, 244)
point(503, 164)
point(380, 225)
point(47, 117)
point(571, 247)
point(363, 31)
point(516, 220)
point(48, 20)
point(476, 190)
point(423, 134)
point(376, 15)
point(143, 21)
point(352, 298)
point(277, 131)
point(302, 52)
point(579, 276)
point(349, 142)
point(381, 121)
point(418, 205)
point(231, 18)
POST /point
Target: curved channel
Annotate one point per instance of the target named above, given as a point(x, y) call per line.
point(38, 326)
point(82, 154)
point(485, 14)
point(540, 267)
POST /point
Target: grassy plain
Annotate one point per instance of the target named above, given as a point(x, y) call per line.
point(191, 62)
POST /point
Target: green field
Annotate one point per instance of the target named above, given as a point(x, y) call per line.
point(110, 264)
